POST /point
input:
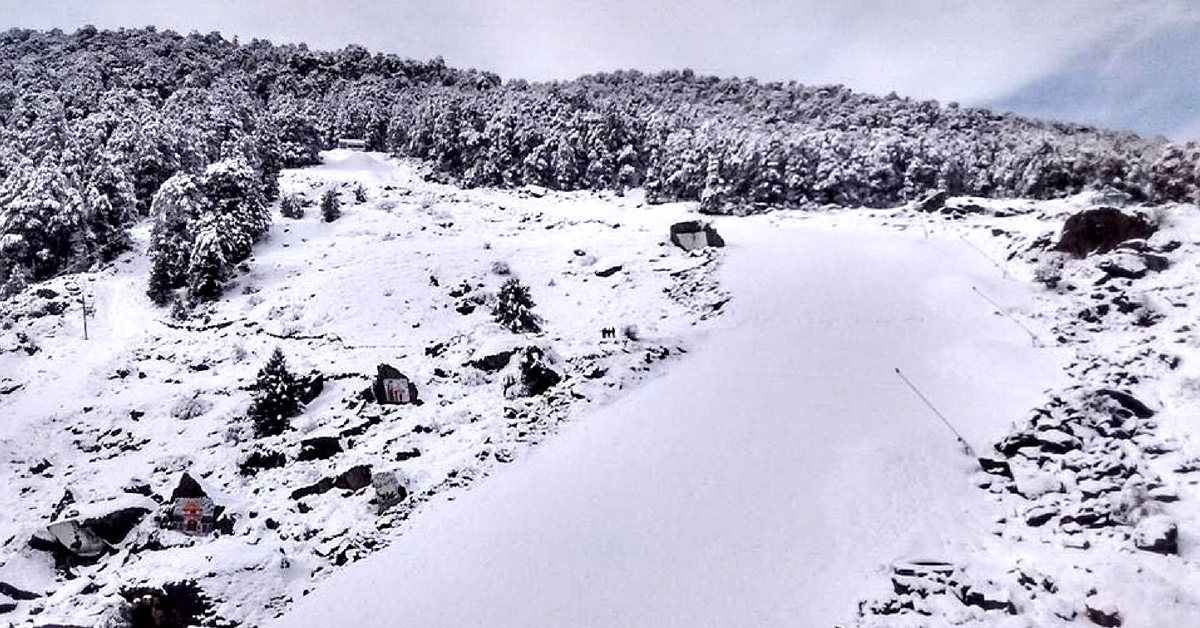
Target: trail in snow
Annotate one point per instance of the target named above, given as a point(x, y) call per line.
point(763, 482)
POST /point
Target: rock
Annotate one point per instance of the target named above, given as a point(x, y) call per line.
point(995, 466)
point(1102, 611)
point(174, 605)
point(494, 362)
point(188, 488)
point(694, 234)
point(1124, 265)
point(989, 598)
point(40, 467)
point(610, 271)
point(1100, 231)
point(361, 428)
point(261, 460)
point(309, 387)
point(115, 526)
point(319, 448)
point(408, 455)
point(1158, 534)
point(1032, 482)
point(17, 594)
point(536, 375)
point(356, 478)
point(1056, 441)
point(1128, 401)
point(933, 201)
point(1039, 514)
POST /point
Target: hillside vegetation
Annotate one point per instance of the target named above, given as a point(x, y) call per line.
point(94, 123)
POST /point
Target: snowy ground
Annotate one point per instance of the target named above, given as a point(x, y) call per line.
point(762, 482)
point(777, 476)
point(394, 280)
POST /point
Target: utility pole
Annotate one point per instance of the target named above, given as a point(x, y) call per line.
point(84, 308)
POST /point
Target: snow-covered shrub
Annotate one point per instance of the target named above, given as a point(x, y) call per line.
point(1049, 271)
point(501, 268)
point(360, 194)
point(190, 407)
point(289, 207)
point(631, 333)
point(331, 206)
point(514, 308)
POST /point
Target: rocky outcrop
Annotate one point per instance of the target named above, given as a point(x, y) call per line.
point(1100, 231)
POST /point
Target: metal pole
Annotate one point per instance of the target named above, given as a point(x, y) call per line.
point(1037, 342)
point(963, 441)
point(83, 303)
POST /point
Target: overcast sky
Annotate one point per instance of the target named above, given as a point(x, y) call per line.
point(1123, 63)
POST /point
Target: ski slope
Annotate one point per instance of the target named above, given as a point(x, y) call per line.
point(761, 482)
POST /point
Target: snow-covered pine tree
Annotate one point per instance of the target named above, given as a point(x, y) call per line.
point(234, 191)
point(161, 289)
point(276, 397)
point(177, 207)
point(331, 206)
point(514, 308)
point(41, 222)
point(208, 268)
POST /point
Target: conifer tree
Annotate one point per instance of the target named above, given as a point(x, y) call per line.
point(514, 308)
point(289, 207)
point(177, 208)
point(161, 287)
point(276, 397)
point(208, 267)
point(331, 207)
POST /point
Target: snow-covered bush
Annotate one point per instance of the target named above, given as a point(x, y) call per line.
point(514, 308)
point(331, 206)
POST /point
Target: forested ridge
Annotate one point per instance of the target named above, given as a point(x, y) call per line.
point(98, 128)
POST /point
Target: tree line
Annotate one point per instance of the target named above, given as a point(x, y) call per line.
point(101, 128)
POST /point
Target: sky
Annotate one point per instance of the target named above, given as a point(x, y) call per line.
point(1119, 63)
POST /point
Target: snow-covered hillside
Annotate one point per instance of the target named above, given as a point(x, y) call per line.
point(760, 483)
point(780, 474)
point(406, 278)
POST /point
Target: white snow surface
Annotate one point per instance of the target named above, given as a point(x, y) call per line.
point(776, 475)
point(765, 481)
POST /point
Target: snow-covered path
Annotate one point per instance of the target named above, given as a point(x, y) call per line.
point(765, 481)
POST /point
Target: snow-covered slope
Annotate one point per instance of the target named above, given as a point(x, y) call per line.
point(405, 278)
point(776, 476)
point(760, 483)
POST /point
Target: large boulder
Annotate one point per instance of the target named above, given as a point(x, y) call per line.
point(694, 234)
point(319, 448)
point(1100, 231)
point(1157, 534)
